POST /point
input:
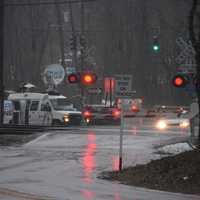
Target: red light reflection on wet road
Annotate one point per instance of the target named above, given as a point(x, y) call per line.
point(88, 158)
point(87, 194)
point(134, 130)
point(117, 197)
point(115, 163)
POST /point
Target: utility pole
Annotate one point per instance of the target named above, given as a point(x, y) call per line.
point(60, 29)
point(82, 48)
point(1, 61)
point(74, 51)
point(194, 33)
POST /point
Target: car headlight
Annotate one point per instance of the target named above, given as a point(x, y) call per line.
point(161, 124)
point(87, 120)
point(184, 124)
point(66, 118)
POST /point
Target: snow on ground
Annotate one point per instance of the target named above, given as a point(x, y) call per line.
point(175, 148)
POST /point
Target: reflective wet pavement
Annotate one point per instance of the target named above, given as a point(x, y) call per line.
point(65, 165)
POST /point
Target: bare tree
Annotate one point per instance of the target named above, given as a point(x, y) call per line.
point(194, 31)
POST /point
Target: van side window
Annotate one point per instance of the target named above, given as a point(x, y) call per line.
point(45, 107)
point(34, 105)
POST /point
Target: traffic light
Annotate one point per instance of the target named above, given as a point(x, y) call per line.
point(73, 78)
point(180, 80)
point(73, 42)
point(88, 78)
point(156, 44)
point(82, 41)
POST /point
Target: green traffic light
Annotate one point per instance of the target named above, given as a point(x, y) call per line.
point(156, 48)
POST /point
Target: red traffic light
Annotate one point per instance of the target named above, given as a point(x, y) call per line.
point(179, 81)
point(73, 78)
point(88, 78)
point(135, 108)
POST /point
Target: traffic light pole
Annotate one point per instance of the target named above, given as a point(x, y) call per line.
point(1, 61)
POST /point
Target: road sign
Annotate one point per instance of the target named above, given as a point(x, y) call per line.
point(70, 70)
point(185, 70)
point(123, 83)
point(94, 90)
point(187, 50)
point(66, 16)
point(53, 74)
point(124, 94)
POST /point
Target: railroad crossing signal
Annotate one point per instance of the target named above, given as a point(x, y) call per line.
point(179, 81)
point(185, 81)
point(73, 78)
point(86, 78)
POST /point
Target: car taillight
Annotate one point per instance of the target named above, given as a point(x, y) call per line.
point(134, 108)
point(116, 113)
point(87, 114)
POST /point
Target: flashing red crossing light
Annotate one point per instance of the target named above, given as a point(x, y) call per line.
point(88, 78)
point(73, 78)
point(179, 80)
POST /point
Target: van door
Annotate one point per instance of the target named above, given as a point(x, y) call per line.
point(34, 115)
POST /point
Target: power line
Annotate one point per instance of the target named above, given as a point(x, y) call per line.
point(47, 3)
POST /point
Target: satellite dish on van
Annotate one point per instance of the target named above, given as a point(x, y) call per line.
point(29, 85)
point(53, 74)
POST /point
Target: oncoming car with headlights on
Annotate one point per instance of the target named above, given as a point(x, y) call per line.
point(169, 123)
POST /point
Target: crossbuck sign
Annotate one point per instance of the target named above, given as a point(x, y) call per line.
point(187, 52)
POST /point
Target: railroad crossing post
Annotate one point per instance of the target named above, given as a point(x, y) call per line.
point(121, 136)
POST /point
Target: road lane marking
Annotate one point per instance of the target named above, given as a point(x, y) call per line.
point(22, 195)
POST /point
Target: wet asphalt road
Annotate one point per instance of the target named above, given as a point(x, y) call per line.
point(65, 165)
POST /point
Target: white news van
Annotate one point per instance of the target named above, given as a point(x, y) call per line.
point(43, 109)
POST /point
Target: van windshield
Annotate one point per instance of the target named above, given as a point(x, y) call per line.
point(62, 104)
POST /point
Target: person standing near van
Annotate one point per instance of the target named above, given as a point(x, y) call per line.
point(27, 112)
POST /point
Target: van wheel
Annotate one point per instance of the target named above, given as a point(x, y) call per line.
point(56, 122)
